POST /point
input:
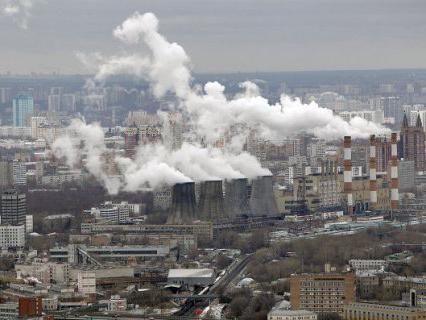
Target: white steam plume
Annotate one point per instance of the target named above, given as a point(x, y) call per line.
point(154, 165)
point(211, 112)
point(19, 10)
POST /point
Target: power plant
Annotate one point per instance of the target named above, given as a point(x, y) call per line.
point(183, 208)
point(262, 200)
point(236, 197)
point(211, 204)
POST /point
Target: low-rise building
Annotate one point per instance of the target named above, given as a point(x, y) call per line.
point(12, 236)
point(86, 282)
point(9, 311)
point(404, 283)
point(283, 314)
point(369, 311)
point(191, 277)
point(367, 264)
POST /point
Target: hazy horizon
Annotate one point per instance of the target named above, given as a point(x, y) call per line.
point(226, 36)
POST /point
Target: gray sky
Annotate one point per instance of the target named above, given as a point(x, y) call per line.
point(228, 35)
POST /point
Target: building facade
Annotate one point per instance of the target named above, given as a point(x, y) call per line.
point(412, 143)
point(13, 208)
point(23, 109)
point(322, 293)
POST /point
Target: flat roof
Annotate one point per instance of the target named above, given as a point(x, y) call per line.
point(190, 273)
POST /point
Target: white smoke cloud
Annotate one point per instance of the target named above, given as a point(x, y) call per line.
point(211, 112)
point(212, 115)
point(154, 165)
point(19, 10)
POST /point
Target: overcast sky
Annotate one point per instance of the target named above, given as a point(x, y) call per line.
point(227, 35)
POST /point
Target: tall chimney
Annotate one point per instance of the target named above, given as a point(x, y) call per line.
point(373, 173)
point(347, 174)
point(394, 173)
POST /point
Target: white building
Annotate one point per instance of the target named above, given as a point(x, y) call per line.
point(15, 132)
point(376, 116)
point(86, 282)
point(12, 236)
point(19, 173)
point(45, 272)
point(29, 223)
point(367, 264)
point(9, 311)
point(191, 277)
point(284, 314)
point(112, 212)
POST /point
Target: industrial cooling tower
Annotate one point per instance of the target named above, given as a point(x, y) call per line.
point(236, 198)
point(183, 204)
point(262, 200)
point(210, 206)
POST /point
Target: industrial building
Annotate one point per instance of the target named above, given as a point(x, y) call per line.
point(191, 277)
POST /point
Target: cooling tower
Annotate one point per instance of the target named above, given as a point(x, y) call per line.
point(236, 198)
point(210, 206)
point(183, 203)
point(262, 201)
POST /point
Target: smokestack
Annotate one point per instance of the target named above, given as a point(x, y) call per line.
point(347, 174)
point(236, 197)
point(211, 207)
point(183, 203)
point(394, 172)
point(262, 201)
point(373, 173)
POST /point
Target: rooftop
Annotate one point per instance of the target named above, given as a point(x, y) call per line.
point(190, 273)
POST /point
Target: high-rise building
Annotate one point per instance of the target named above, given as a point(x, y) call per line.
point(412, 143)
point(54, 103)
point(392, 108)
point(13, 208)
point(5, 95)
point(19, 173)
point(5, 174)
point(23, 109)
point(383, 153)
point(407, 176)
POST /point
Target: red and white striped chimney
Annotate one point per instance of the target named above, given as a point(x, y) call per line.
point(373, 173)
point(394, 173)
point(347, 174)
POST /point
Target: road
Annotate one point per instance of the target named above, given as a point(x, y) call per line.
point(234, 270)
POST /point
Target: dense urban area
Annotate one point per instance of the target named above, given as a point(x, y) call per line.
point(146, 191)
